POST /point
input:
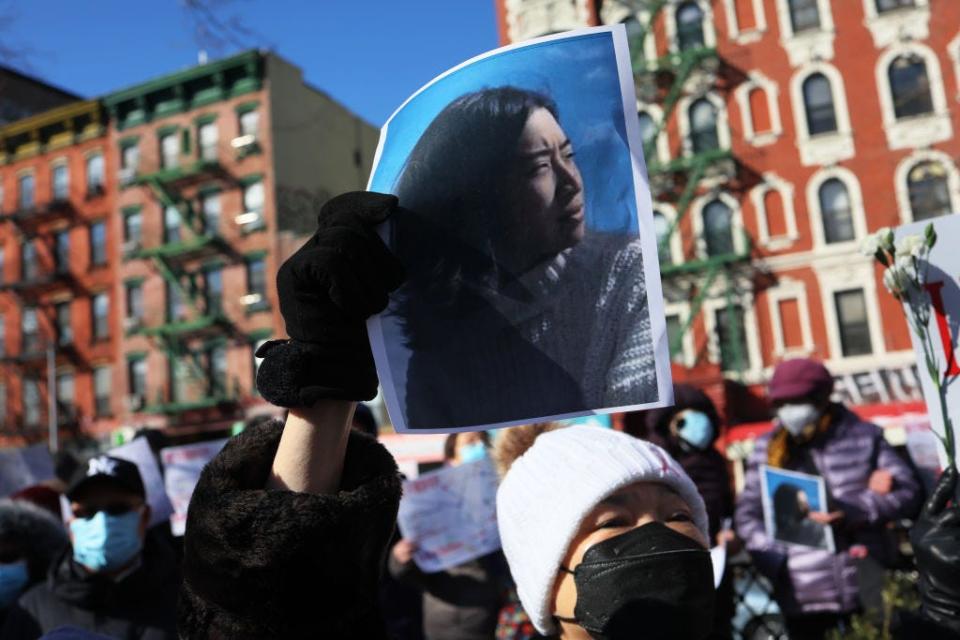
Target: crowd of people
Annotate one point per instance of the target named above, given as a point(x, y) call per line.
point(291, 531)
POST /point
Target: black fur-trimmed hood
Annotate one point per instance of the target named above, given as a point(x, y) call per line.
point(275, 564)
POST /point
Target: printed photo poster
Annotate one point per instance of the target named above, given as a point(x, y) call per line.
point(527, 237)
point(788, 499)
point(943, 287)
point(451, 514)
point(182, 466)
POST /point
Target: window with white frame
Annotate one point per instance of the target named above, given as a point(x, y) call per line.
point(134, 300)
point(758, 100)
point(130, 158)
point(891, 21)
point(170, 150)
point(818, 105)
point(60, 182)
point(910, 87)
point(661, 225)
point(95, 179)
point(26, 192)
point(718, 228)
point(31, 401)
point(913, 99)
point(250, 123)
point(208, 137)
point(102, 390)
point(892, 5)
point(836, 212)
point(804, 15)
point(929, 191)
point(689, 19)
point(210, 208)
point(776, 216)
point(703, 126)
point(253, 198)
point(137, 376)
point(746, 20)
point(853, 324)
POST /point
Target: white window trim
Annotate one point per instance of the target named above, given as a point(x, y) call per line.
point(790, 289)
point(615, 13)
point(824, 148)
point(816, 44)
point(916, 131)
point(856, 272)
point(670, 24)
point(687, 351)
point(908, 163)
point(60, 162)
point(736, 221)
point(683, 121)
point(662, 146)
point(953, 49)
point(754, 369)
point(909, 23)
point(745, 36)
point(756, 80)
point(773, 182)
point(816, 214)
point(676, 241)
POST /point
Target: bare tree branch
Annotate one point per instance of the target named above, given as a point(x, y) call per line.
point(216, 32)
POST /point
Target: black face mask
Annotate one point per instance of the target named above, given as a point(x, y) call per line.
point(650, 583)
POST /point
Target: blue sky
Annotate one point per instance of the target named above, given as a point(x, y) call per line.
point(369, 55)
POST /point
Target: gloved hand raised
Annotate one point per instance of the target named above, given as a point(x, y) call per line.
point(936, 543)
point(327, 289)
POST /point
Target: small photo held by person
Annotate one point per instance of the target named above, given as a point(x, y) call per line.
point(525, 233)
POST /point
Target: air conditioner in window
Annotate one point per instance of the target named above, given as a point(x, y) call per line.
point(132, 324)
point(249, 217)
point(135, 402)
point(242, 142)
point(251, 299)
point(128, 175)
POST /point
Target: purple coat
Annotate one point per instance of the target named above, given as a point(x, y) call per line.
point(808, 580)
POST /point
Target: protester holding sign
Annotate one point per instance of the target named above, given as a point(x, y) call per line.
point(462, 601)
point(868, 485)
point(112, 578)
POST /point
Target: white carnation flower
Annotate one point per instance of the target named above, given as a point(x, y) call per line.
point(869, 246)
point(910, 246)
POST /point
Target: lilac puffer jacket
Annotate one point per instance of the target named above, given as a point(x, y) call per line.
point(808, 580)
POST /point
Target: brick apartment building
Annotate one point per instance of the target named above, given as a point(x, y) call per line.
point(779, 133)
point(210, 178)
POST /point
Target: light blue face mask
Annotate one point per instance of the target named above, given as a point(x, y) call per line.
point(697, 430)
point(13, 580)
point(105, 542)
point(474, 452)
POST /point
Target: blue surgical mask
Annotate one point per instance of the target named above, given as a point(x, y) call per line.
point(473, 452)
point(105, 542)
point(697, 429)
point(13, 580)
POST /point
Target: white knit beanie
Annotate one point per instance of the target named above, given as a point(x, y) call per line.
point(551, 488)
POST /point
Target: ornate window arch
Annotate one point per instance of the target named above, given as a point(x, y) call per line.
point(835, 204)
point(935, 180)
point(912, 125)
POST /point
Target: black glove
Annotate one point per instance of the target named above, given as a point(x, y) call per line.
point(327, 290)
point(936, 543)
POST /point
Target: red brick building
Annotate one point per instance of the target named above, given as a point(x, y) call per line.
point(795, 128)
point(58, 263)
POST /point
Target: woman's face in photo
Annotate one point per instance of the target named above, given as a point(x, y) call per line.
point(544, 212)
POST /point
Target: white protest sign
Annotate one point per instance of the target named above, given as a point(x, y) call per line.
point(943, 287)
point(182, 466)
point(451, 515)
point(22, 468)
point(138, 452)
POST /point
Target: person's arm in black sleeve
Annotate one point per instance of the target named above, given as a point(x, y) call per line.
point(288, 525)
point(936, 545)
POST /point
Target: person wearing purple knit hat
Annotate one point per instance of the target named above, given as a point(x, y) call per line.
point(868, 486)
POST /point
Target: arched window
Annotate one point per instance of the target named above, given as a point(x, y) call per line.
point(703, 126)
point(837, 212)
point(718, 228)
point(689, 26)
point(929, 192)
point(910, 86)
point(890, 5)
point(648, 128)
point(804, 15)
point(662, 227)
point(759, 110)
point(818, 104)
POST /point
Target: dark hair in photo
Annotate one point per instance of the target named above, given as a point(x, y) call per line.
point(786, 506)
point(452, 191)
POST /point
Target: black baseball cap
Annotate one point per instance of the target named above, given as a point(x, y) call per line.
point(122, 473)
